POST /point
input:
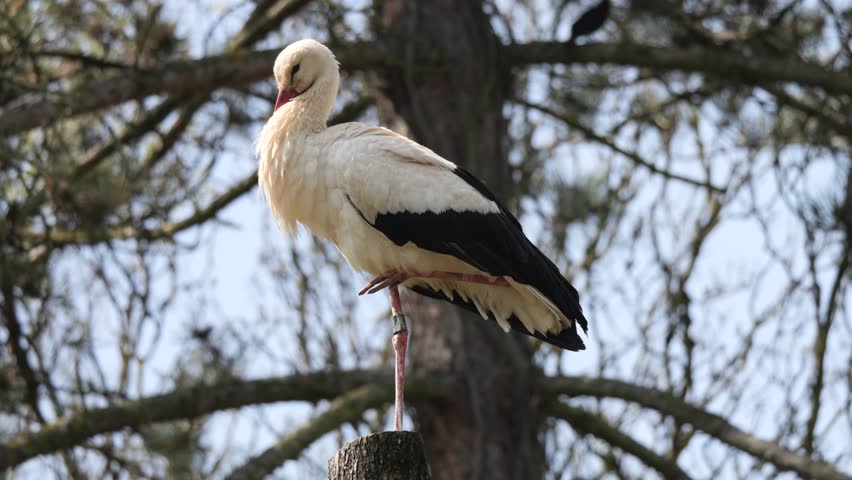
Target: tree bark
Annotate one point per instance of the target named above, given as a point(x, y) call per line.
point(489, 429)
point(381, 456)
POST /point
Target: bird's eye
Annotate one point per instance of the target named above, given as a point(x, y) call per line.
point(294, 72)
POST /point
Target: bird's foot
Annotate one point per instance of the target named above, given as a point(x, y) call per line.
point(385, 280)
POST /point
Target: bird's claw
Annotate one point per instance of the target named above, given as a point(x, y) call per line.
point(384, 281)
point(392, 280)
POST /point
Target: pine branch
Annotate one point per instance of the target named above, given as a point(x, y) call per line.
point(61, 238)
point(184, 77)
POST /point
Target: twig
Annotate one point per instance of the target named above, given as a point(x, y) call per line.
point(588, 132)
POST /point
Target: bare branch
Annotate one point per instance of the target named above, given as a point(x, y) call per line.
point(16, 335)
point(346, 408)
point(820, 347)
point(95, 155)
point(262, 20)
point(589, 133)
point(201, 400)
point(709, 423)
point(829, 116)
point(587, 422)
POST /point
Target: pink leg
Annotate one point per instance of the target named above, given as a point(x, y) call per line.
point(391, 281)
point(400, 344)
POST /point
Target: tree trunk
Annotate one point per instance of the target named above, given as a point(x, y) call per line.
point(490, 430)
point(381, 456)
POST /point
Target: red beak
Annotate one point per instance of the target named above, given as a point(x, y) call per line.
point(284, 96)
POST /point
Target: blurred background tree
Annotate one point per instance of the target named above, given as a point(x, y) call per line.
point(687, 166)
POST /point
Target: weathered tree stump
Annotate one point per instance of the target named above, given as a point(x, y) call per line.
point(381, 456)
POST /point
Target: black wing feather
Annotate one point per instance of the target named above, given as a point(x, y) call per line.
point(494, 243)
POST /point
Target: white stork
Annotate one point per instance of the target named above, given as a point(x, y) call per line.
point(403, 214)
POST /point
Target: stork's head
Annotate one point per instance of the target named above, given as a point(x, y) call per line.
point(307, 78)
point(307, 66)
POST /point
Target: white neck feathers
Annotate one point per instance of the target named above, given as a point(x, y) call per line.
point(280, 145)
point(307, 113)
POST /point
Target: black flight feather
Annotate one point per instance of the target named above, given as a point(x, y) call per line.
point(568, 339)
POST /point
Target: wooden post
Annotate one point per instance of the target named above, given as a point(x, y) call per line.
point(381, 456)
